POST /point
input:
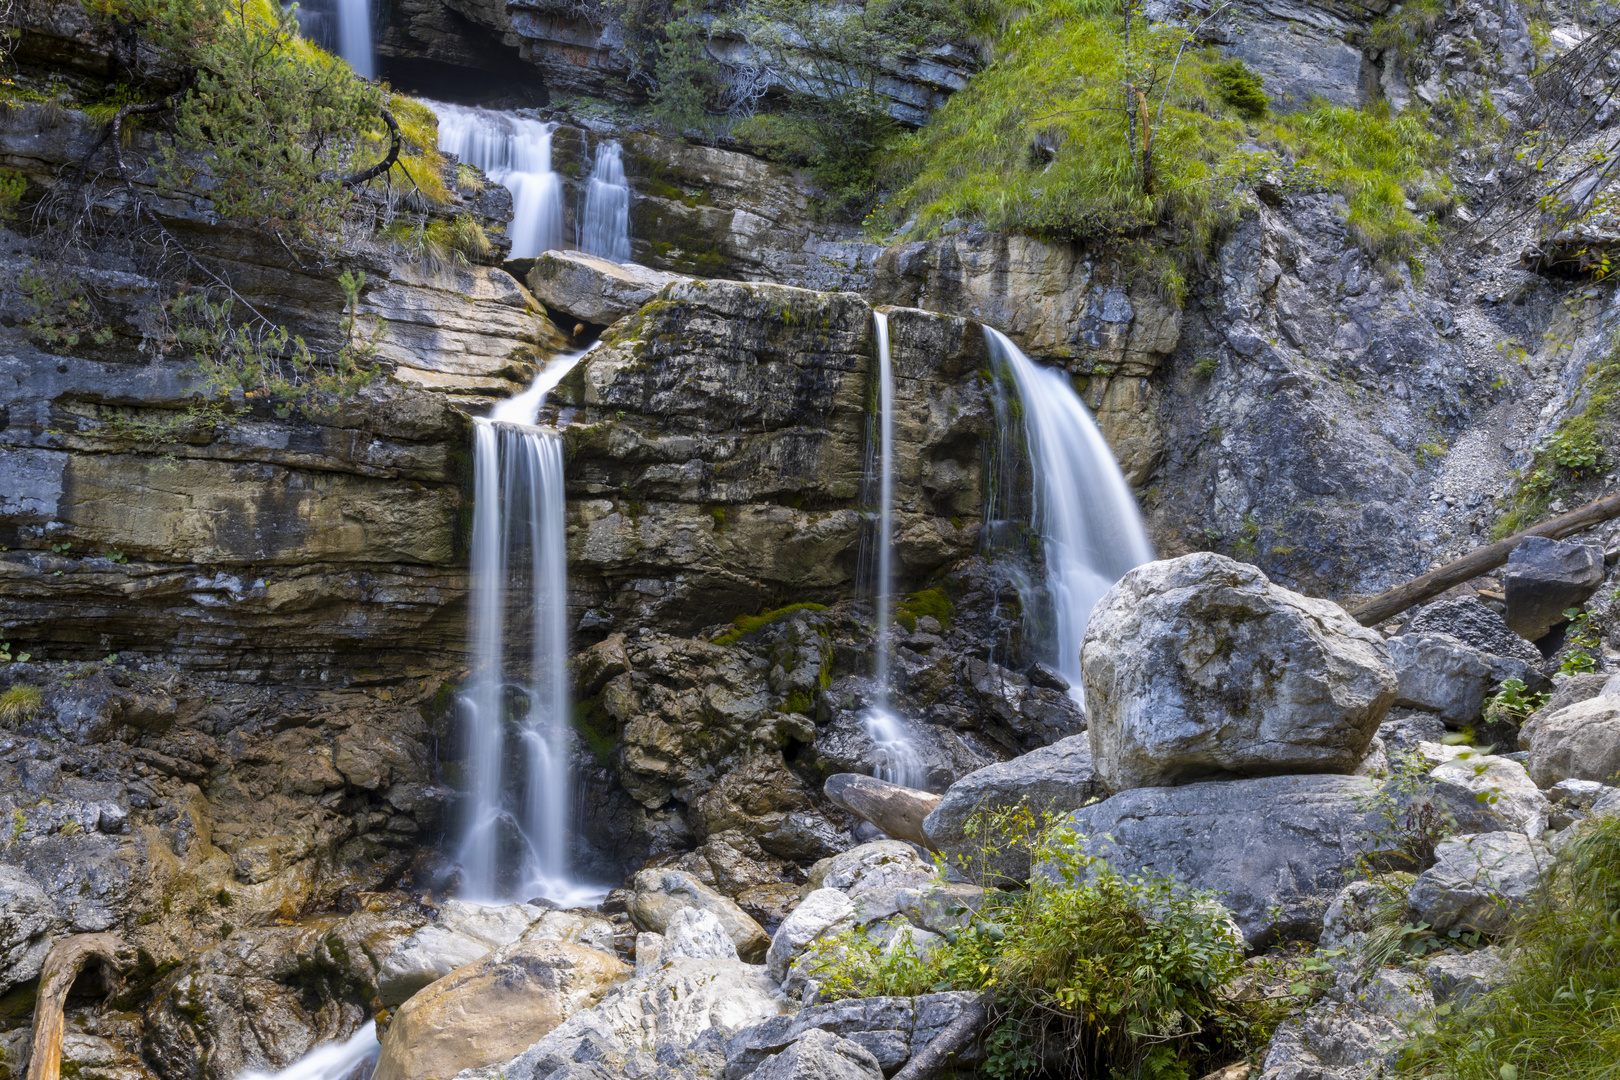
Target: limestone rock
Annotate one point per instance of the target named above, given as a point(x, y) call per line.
point(1475, 625)
point(943, 908)
point(1200, 666)
point(575, 926)
point(823, 913)
point(29, 923)
point(1352, 1031)
point(1350, 916)
point(1459, 978)
point(898, 811)
point(425, 957)
point(1478, 882)
point(593, 289)
point(1579, 742)
point(492, 1010)
point(890, 1028)
point(697, 934)
point(1440, 674)
point(671, 1007)
point(1544, 577)
point(820, 1055)
point(1406, 729)
point(1053, 779)
point(659, 894)
point(1476, 784)
point(1276, 849)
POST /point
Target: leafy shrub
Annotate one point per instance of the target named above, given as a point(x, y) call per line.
point(1513, 703)
point(1412, 819)
point(1557, 1017)
point(1241, 88)
point(1089, 967)
point(1581, 639)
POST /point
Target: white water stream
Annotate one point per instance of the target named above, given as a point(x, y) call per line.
point(351, 1059)
point(354, 39)
point(513, 151)
point(901, 763)
point(1083, 510)
point(604, 224)
point(519, 565)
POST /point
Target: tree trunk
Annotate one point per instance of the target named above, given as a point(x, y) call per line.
point(62, 965)
point(1435, 582)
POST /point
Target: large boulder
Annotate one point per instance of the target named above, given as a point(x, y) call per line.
point(463, 933)
point(1276, 849)
point(1579, 742)
point(824, 913)
point(1477, 882)
point(494, 1009)
point(592, 289)
point(1052, 780)
point(1199, 666)
point(1357, 1025)
point(1487, 793)
point(658, 894)
point(1545, 577)
point(1440, 674)
point(29, 924)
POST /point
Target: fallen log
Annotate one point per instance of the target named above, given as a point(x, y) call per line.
point(1486, 559)
point(930, 1060)
point(62, 965)
point(898, 811)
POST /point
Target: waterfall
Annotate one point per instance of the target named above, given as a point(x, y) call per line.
point(354, 41)
point(901, 763)
point(519, 561)
point(604, 225)
point(1082, 508)
point(514, 151)
point(350, 1059)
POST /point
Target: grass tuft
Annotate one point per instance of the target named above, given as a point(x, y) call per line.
point(19, 702)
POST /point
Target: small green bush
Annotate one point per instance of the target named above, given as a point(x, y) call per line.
point(1121, 975)
point(1240, 88)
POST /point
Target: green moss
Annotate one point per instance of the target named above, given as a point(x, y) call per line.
point(744, 625)
point(599, 730)
point(718, 513)
point(799, 702)
point(930, 602)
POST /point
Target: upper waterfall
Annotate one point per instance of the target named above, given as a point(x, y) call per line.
point(354, 37)
point(1090, 528)
point(514, 151)
point(604, 223)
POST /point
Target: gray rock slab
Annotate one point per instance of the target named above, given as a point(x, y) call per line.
point(1274, 849)
point(1477, 882)
point(1543, 578)
point(1054, 779)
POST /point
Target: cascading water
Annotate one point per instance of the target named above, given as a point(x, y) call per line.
point(604, 224)
point(901, 763)
point(519, 561)
point(351, 1059)
point(514, 151)
point(1082, 508)
point(354, 41)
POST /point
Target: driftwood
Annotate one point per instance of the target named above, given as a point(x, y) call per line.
point(928, 1061)
point(898, 811)
point(1486, 559)
point(62, 965)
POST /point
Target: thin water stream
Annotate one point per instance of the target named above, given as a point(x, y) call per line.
point(604, 223)
point(519, 571)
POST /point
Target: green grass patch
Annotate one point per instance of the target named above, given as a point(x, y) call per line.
point(1041, 142)
point(743, 625)
point(1576, 452)
point(19, 702)
point(1558, 1015)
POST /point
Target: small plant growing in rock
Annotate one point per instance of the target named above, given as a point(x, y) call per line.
point(1514, 702)
point(19, 702)
point(1207, 366)
point(5, 654)
point(1580, 641)
point(1412, 818)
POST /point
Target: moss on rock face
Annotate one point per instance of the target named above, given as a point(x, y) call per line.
point(751, 624)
